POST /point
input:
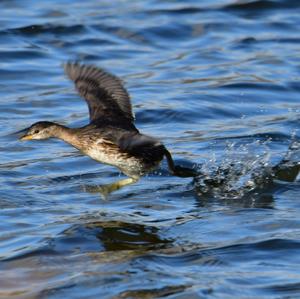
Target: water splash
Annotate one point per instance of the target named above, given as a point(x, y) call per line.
point(242, 168)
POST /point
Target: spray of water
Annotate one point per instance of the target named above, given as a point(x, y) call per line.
point(242, 169)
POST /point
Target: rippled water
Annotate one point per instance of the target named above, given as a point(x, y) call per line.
point(218, 83)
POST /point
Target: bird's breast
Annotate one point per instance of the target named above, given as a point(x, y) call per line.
point(106, 152)
point(103, 152)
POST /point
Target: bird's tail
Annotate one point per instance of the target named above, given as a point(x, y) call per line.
point(179, 170)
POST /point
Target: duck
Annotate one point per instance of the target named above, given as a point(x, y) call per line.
point(111, 136)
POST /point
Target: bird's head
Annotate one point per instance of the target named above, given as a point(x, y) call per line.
point(40, 130)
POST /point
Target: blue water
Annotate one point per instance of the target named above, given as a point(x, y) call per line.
point(218, 83)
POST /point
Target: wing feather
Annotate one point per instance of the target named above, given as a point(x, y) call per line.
point(104, 93)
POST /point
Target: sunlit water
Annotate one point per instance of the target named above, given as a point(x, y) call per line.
point(218, 83)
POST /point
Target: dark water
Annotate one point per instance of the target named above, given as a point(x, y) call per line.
point(218, 83)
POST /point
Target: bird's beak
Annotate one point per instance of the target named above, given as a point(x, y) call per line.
point(26, 137)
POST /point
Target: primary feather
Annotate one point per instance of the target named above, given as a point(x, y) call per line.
point(104, 93)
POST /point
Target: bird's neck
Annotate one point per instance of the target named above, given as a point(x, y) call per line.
point(66, 134)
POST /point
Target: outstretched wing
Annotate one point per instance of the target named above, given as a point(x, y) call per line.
point(107, 99)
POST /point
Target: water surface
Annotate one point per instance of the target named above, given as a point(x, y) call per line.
point(218, 83)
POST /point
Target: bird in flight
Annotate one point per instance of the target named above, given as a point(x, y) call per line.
point(111, 136)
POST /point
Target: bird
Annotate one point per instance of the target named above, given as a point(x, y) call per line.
point(111, 136)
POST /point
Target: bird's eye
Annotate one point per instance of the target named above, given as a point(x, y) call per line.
point(36, 131)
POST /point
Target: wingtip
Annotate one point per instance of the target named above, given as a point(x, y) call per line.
point(70, 68)
point(71, 62)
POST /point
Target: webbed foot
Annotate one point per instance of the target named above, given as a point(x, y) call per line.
point(184, 172)
point(106, 189)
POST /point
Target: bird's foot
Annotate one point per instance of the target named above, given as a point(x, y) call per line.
point(106, 189)
point(184, 172)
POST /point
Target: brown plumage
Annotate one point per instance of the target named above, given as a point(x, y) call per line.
point(111, 136)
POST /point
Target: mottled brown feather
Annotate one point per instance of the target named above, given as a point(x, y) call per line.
point(107, 99)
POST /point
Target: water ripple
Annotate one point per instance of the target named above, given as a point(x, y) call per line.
point(217, 82)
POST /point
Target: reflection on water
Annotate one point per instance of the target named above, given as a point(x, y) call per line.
point(217, 82)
